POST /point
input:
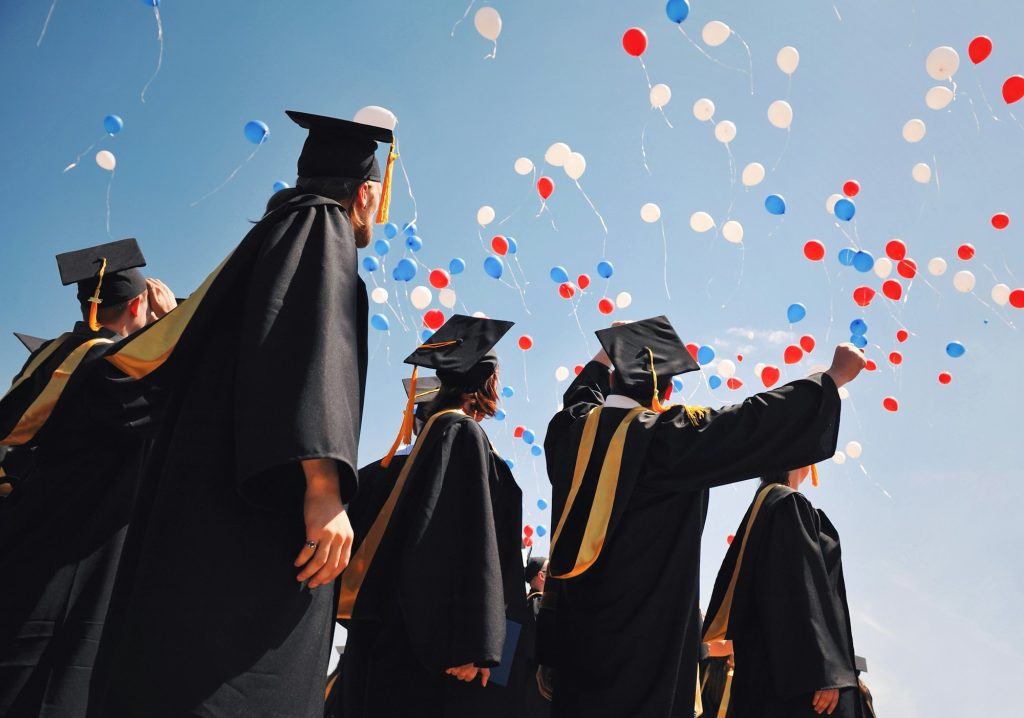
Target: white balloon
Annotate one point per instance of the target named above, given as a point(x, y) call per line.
point(921, 173)
point(937, 266)
point(753, 174)
point(733, 231)
point(780, 114)
point(376, 116)
point(447, 297)
point(660, 95)
point(421, 297)
point(701, 222)
point(485, 215)
point(479, 315)
point(106, 160)
point(379, 295)
point(726, 368)
point(938, 98)
point(830, 203)
point(942, 63)
point(725, 131)
point(650, 212)
point(557, 154)
point(561, 373)
point(964, 280)
point(844, 393)
point(839, 458)
point(914, 130)
point(488, 23)
point(703, 109)
point(715, 33)
point(788, 59)
point(575, 165)
point(758, 368)
point(883, 267)
point(523, 166)
point(623, 300)
point(1001, 294)
point(854, 449)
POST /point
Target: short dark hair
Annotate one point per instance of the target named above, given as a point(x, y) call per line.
point(106, 313)
point(775, 477)
point(481, 399)
point(336, 188)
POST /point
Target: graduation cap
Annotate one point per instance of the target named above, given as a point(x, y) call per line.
point(107, 273)
point(643, 351)
point(426, 388)
point(31, 343)
point(342, 148)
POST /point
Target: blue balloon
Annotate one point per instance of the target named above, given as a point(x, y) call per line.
point(390, 230)
point(512, 245)
point(858, 327)
point(456, 266)
point(113, 124)
point(559, 275)
point(382, 247)
point(494, 267)
point(499, 415)
point(542, 504)
point(715, 382)
point(510, 464)
point(677, 10)
point(380, 322)
point(405, 270)
point(705, 355)
point(677, 384)
point(257, 132)
point(605, 268)
point(859, 340)
point(508, 392)
point(409, 228)
point(280, 185)
point(371, 264)
point(541, 530)
point(863, 261)
point(528, 436)
point(425, 335)
point(775, 204)
point(955, 349)
point(795, 312)
point(414, 243)
point(846, 256)
point(151, 3)
point(845, 209)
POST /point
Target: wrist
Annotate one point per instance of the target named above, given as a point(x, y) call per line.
point(836, 378)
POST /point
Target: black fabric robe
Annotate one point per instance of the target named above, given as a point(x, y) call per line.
point(445, 578)
point(624, 637)
point(63, 527)
point(790, 621)
point(266, 367)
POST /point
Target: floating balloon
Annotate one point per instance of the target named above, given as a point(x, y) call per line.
point(523, 166)
point(863, 296)
point(456, 266)
point(558, 275)
point(447, 297)
point(902, 335)
point(371, 264)
point(839, 457)
point(892, 289)
point(380, 322)
point(605, 268)
point(575, 166)
point(1000, 220)
point(526, 343)
point(860, 342)
point(964, 281)
point(814, 250)
point(606, 306)
point(753, 174)
point(280, 185)
point(513, 246)
point(634, 41)
point(106, 160)
point(1013, 89)
point(733, 383)
point(732, 231)
point(895, 358)
point(715, 33)
point(508, 392)
point(889, 403)
point(704, 109)
point(256, 132)
point(830, 203)
point(660, 95)
point(846, 256)
point(853, 449)
point(780, 114)
point(438, 278)
point(485, 215)
point(851, 188)
point(845, 209)
point(409, 229)
point(112, 124)
point(921, 173)
point(795, 312)
point(390, 230)
point(883, 267)
point(701, 222)
point(1001, 294)
point(807, 343)
point(561, 373)
point(488, 23)
point(705, 355)
point(895, 249)
point(650, 212)
point(623, 300)
point(788, 58)
point(414, 243)
point(545, 186)
point(421, 297)
point(726, 368)
point(725, 132)
point(775, 204)
point(863, 262)
point(945, 377)
point(793, 354)
point(494, 267)
point(906, 268)
point(965, 252)
point(914, 130)
point(583, 281)
point(567, 290)
point(499, 244)
point(979, 49)
point(541, 503)
point(938, 98)
point(557, 154)
point(936, 266)
point(433, 319)
point(379, 295)
point(714, 382)
point(677, 10)
point(1017, 299)
point(769, 376)
point(942, 63)
point(955, 350)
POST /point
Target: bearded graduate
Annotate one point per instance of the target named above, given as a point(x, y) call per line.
point(433, 598)
point(618, 630)
point(781, 598)
point(228, 593)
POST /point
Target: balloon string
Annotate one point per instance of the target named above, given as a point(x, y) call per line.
point(831, 302)
point(664, 246)
point(526, 381)
point(408, 186)
point(750, 61)
point(984, 97)
point(46, 24)
point(1003, 319)
point(160, 54)
point(586, 197)
point(110, 184)
point(835, 9)
point(646, 76)
point(643, 148)
point(732, 167)
point(464, 16)
point(662, 111)
point(231, 176)
point(586, 343)
point(83, 153)
point(493, 53)
point(715, 60)
point(785, 146)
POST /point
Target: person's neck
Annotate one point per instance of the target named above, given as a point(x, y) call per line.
point(119, 328)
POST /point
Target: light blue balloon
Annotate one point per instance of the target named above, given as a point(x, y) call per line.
point(510, 464)
point(528, 436)
point(795, 312)
point(456, 266)
point(494, 267)
point(541, 530)
point(705, 355)
point(425, 335)
point(955, 349)
point(508, 392)
point(513, 246)
point(113, 124)
point(280, 185)
point(414, 243)
point(405, 270)
point(858, 327)
point(151, 3)
point(846, 256)
point(371, 264)
point(380, 322)
point(257, 132)
point(677, 10)
point(715, 382)
point(382, 247)
point(558, 275)
point(542, 504)
point(499, 415)
point(775, 204)
point(677, 384)
point(859, 340)
point(845, 209)
point(863, 261)
point(409, 228)
point(605, 268)
point(390, 230)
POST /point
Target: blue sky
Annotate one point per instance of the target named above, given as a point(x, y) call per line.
point(928, 513)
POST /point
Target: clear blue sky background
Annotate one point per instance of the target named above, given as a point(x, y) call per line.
point(928, 514)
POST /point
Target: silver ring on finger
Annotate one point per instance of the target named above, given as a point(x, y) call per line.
point(312, 544)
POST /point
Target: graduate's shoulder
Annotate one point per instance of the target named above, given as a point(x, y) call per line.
point(289, 202)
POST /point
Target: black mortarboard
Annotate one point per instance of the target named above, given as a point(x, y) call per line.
point(339, 148)
point(634, 347)
point(461, 350)
point(31, 343)
point(107, 273)
point(426, 388)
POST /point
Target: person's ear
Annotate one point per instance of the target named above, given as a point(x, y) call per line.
point(135, 306)
point(365, 193)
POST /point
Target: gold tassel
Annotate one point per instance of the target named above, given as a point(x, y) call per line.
point(695, 414)
point(95, 298)
point(814, 475)
point(385, 188)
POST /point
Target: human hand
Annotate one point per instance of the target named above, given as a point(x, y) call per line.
point(160, 299)
point(847, 363)
point(469, 672)
point(329, 534)
point(825, 701)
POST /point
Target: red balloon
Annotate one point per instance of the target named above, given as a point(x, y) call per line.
point(793, 354)
point(870, 365)
point(606, 306)
point(965, 251)
point(693, 349)
point(890, 404)
point(499, 244)
point(518, 431)
point(567, 290)
point(902, 335)
point(634, 41)
point(769, 375)
point(1013, 89)
point(527, 530)
point(733, 383)
point(892, 289)
point(527, 542)
point(851, 188)
point(439, 278)
point(895, 358)
point(583, 281)
point(814, 250)
point(807, 343)
point(863, 296)
point(895, 249)
point(729, 539)
point(433, 319)
point(979, 49)
point(1017, 299)
point(577, 369)
point(945, 377)
point(526, 342)
point(1001, 220)
point(739, 357)
point(906, 268)
point(545, 186)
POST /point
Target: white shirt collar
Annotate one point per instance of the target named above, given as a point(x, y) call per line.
point(620, 401)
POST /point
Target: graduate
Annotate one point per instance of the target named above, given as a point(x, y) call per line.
point(433, 598)
point(780, 598)
point(535, 705)
point(619, 626)
point(226, 596)
point(73, 449)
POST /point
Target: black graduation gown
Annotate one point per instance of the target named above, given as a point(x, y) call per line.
point(266, 365)
point(624, 636)
point(534, 704)
point(440, 587)
point(789, 620)
point(76, 464)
